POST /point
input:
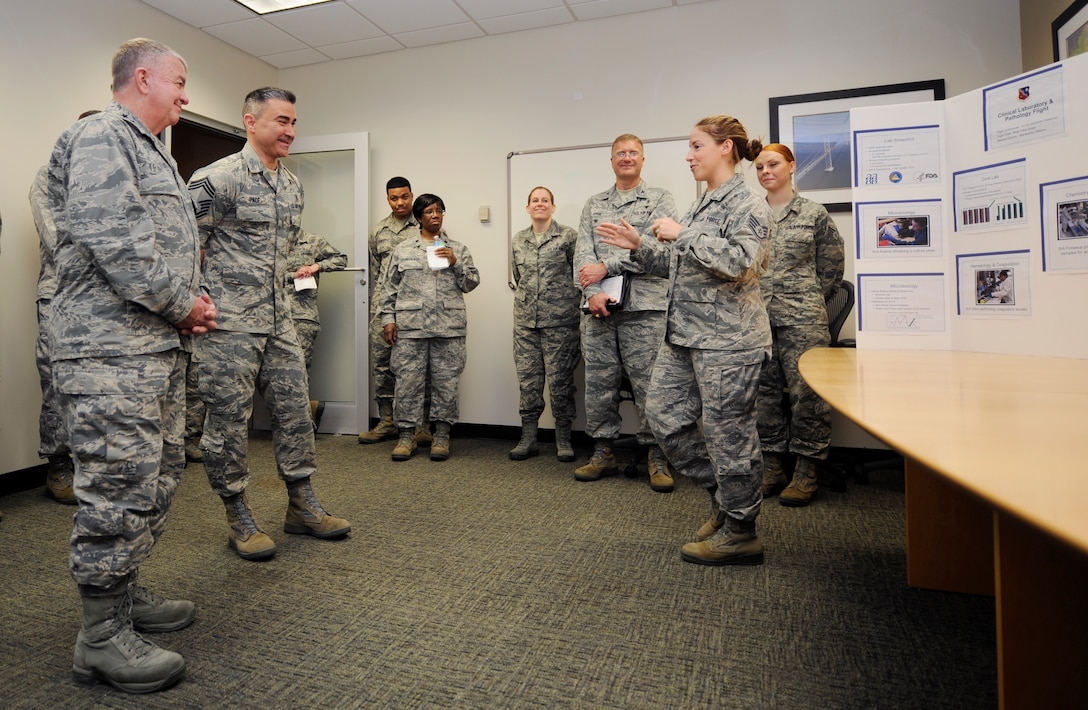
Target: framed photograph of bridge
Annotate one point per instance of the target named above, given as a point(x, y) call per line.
point(816, 127)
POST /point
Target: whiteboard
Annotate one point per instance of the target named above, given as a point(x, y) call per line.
point(575, 173)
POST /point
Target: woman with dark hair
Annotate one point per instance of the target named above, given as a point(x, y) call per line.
point(717, 339)
point(806, 266)
point(425, 322)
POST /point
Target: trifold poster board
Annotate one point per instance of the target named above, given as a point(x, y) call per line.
point(971, 218)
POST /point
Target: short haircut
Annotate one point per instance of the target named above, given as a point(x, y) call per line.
point(257, 98)
point(423, 202)
point(395, 182)
point(136, 53)
point(627, 137)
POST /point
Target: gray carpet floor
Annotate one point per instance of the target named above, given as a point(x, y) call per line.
point(485, 583)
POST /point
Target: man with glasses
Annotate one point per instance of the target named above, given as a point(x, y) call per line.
point(249, 211)
point(614, 341)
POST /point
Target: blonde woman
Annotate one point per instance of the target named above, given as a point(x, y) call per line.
point(716, 341)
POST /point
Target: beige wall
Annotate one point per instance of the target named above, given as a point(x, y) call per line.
point(1037, 43)
point(447, 116)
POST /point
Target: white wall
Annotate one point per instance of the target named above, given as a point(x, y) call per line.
point(447, 116)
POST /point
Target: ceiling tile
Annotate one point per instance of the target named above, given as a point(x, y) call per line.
point(409, 15)
point(609, 8)
point(439, 35)
point(526, 21)
point(256, 37)
point(483, 9)
point(202, 13)
point(302, 57)
point(361, 48)
point(332, 23)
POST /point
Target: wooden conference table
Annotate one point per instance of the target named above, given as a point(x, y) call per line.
point(996, 450)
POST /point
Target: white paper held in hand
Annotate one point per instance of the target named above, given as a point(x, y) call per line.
point(306, 284)
point(437, 263)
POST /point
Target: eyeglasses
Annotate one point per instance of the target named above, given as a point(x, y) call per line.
point(433, 212)
point(626, 154)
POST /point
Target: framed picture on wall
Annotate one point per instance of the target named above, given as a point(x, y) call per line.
point(816, 127)
point(1070, 31)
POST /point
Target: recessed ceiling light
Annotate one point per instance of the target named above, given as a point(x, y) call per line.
point(263, 7)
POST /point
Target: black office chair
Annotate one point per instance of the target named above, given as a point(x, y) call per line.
point(839, 304)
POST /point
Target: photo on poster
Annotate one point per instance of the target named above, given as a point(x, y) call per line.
point(901, 304)
point(996, 284)
point(821, 144)
point(1063, 205)
point(898, 229)
point(991, 196)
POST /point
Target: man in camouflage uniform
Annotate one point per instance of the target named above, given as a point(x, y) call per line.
point(52, 432)
point(249, 209)
point(425, 323)
point(311, 255)
point(387, 234)
point(546, 315)
point(626, 340)
point(127, 285)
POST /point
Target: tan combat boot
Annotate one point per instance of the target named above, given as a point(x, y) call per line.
point(405, 447)
point(774, 473)
point(385, 430)
point(802, 489)
point(602, 463)
point(248, 540)
point(193, 453)
point(58, 479)
point(306, 516)
point(440, 445)
point(423, 436)
point(716, 520)
point(736, 543)
point(658, 466)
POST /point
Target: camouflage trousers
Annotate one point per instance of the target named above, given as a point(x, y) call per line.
point(194, 406)
point(719, 388)
point(806, 429)
point(546, 353)
point(412, 360)
point(624, 341)
point(307, 331)
point(52, 429)
point(125, 417)
point(230, 366)
point(381, 373)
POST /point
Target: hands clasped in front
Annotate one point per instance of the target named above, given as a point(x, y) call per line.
point(201, 318)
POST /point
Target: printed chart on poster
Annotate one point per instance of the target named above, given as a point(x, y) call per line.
point(991, 196)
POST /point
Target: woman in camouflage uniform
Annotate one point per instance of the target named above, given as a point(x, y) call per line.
point(546, 337)
point(806, 267)
point(716, 341)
